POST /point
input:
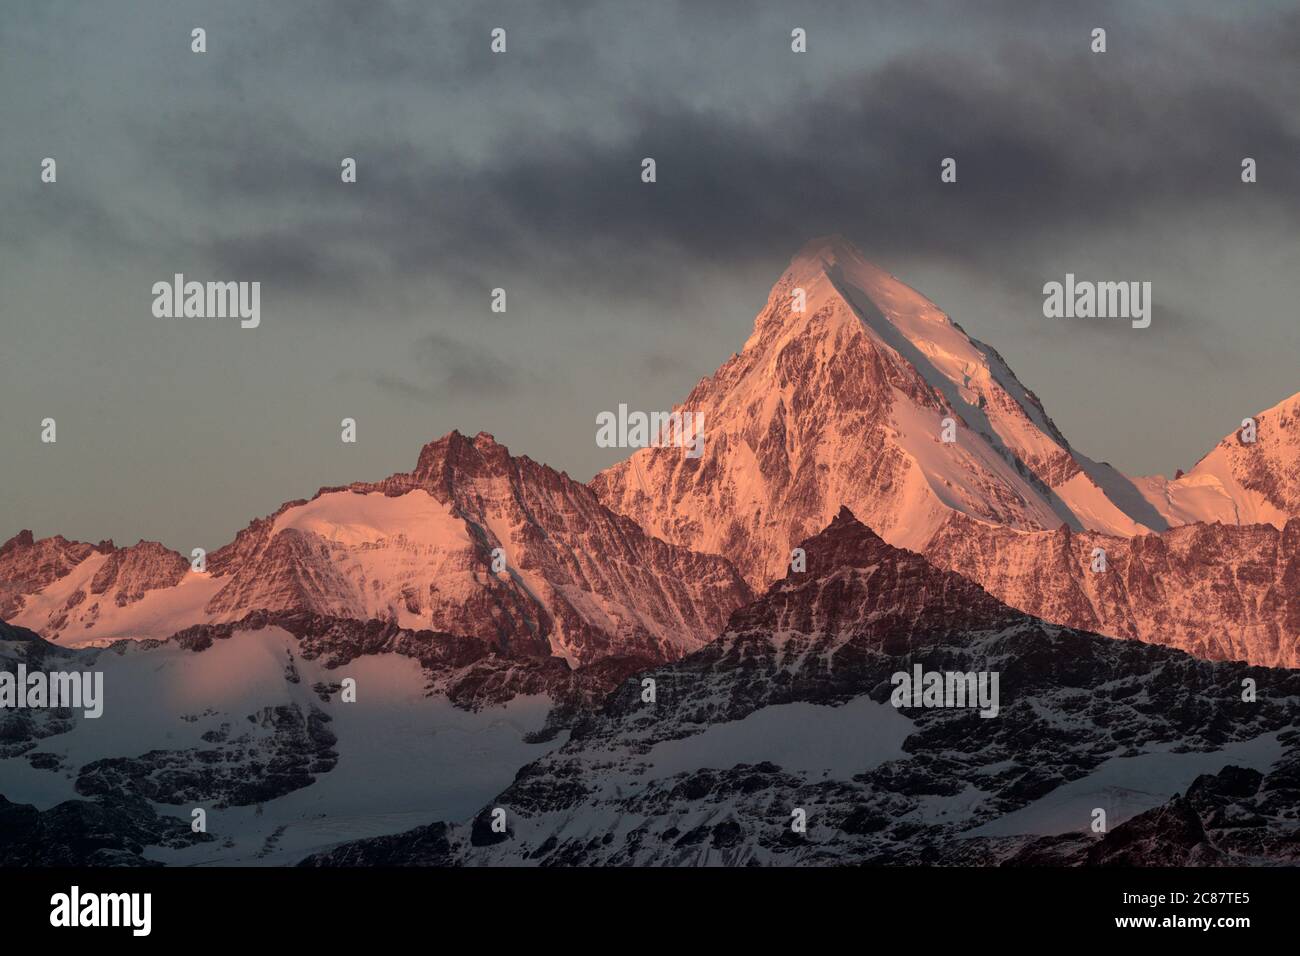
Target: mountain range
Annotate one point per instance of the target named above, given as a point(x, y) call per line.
point(877, 489)
point(839, 398)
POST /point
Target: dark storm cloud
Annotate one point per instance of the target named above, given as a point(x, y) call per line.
point(1056, 147)
point(1052, 144)
point(864, 156)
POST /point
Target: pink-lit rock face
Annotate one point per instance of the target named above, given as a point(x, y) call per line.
point(417, 549)
point(1223, 592)
point(28, 565)
point(71, 583)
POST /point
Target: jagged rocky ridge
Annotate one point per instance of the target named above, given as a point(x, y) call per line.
point(1239, 482)
point(417, 549)
point(836, 400)
point(120, 577)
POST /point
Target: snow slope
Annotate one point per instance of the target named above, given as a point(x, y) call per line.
point(399, 754)
point(1126, 786)
point(63, 611)
point(1239, 482)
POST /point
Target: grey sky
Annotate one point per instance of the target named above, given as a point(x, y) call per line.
point(522, 171)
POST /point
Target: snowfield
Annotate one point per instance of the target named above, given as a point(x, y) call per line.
point(403, 756)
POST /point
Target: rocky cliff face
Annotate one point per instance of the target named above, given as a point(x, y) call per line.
point(1222, 592)
point(62, 588)
point(130, 572)
point(28, 565)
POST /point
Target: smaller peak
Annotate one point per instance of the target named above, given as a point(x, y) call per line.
point(453, 437)
point(846, 532)
point(23, 539)
point(450, 436)
point(487, 448)
point(883, 594)
point(845, 516)
point(438, 449)
point(457, 438)
point(459, 452)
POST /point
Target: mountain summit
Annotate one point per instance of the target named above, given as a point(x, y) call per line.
point(842, 396)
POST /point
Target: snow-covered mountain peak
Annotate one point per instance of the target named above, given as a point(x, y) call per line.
point(819, 285)
point(829, 254)
point(855, 389)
